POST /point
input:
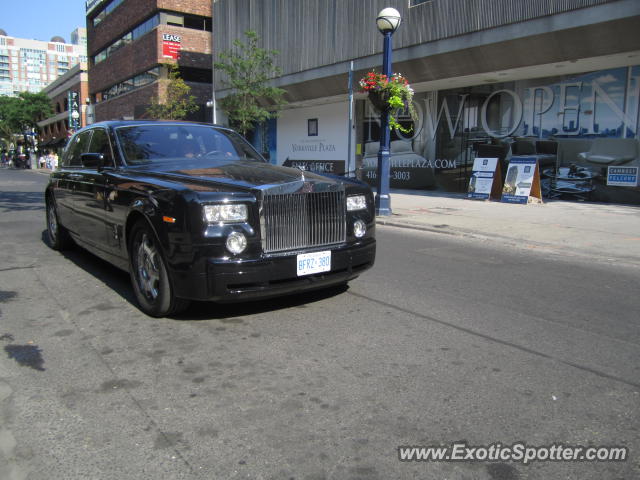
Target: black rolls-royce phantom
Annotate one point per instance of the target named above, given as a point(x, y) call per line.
point(193, 212)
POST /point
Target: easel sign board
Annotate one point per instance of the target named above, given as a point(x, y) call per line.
point(622, 176)
point(522, 183)
point(484, 176)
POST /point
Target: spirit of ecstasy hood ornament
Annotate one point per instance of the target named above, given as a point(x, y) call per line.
point(307, 187)
point(302, 169)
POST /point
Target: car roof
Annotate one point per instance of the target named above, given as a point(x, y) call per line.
point(124, 123)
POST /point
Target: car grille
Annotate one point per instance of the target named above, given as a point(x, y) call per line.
point(295, 221)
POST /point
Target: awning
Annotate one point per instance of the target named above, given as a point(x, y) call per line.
point(54, 142)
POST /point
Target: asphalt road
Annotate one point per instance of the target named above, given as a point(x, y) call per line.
point(445, 340)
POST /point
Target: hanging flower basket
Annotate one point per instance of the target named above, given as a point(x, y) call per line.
point(389, 94)
point(379, 99)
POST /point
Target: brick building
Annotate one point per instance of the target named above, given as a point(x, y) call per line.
point(68, 94)
point(129, 41)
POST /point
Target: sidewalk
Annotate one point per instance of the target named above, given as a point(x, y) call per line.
point(595, 230)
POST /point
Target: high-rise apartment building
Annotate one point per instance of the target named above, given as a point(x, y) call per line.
point(31, 65)
point(131, 41)
point(79, 37)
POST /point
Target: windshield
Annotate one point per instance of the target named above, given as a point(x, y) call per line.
point(150, 143)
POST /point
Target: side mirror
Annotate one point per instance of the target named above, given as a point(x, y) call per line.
point(92, 160)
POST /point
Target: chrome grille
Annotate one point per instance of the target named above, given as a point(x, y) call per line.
point(294, 221)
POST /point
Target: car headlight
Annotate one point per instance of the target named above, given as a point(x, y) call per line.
point(356, 202)
point(230, 212)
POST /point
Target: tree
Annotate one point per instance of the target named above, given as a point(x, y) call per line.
point(247, 73)
point(6, 136)
point(8, 125)
point(177, 102)
point(35, 107)
point(22, 113)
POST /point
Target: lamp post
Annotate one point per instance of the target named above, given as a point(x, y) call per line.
point(388, 22)
point(212, 105)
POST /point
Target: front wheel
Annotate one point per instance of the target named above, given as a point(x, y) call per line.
point(149, 277)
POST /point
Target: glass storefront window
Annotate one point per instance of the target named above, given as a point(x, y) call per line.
point(582, 129)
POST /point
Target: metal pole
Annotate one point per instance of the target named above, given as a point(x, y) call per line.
point(214, 118)
point(383, 200)
point(350, 127)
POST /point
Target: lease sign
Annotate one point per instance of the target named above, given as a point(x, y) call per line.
point(171, 46)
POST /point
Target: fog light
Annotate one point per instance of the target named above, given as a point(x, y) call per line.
point(359, 228)
point(236, 242)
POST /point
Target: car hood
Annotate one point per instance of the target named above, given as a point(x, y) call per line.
point(245, 174)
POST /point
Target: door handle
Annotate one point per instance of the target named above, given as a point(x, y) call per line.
point(75, 176)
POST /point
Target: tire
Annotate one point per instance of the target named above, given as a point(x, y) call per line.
point(58, 236)
point(149, 277)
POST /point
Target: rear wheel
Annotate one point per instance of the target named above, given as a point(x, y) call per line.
point(59, 238)
point(149, 276)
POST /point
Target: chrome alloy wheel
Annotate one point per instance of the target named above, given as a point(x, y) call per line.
point(52, 222)
point(148, 269)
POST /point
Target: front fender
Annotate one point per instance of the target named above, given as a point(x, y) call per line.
point(168, 220)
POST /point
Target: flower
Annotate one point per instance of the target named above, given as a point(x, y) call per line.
point(394, 90)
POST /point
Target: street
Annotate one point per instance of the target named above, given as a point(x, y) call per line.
point(445, 340)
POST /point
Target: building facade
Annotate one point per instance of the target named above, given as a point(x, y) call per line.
point(30, 65)
point(557, 80)
point(129, 43)
point(69, 94)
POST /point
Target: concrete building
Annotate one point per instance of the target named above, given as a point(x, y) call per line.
point(551, 79)
point(30, 65)
point(129, 41)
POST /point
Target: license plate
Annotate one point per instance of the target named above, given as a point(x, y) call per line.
point(315, 262)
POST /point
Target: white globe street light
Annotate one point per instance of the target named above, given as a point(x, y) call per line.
point(388, 20)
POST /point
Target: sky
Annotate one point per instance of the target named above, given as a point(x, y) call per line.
point(41, 19)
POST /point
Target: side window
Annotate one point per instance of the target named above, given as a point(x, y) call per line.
point(100, 144)
point(79, 145)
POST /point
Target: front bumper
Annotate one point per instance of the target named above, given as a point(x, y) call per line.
point(236, 280)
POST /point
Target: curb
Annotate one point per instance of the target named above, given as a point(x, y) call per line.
point(41, 171)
